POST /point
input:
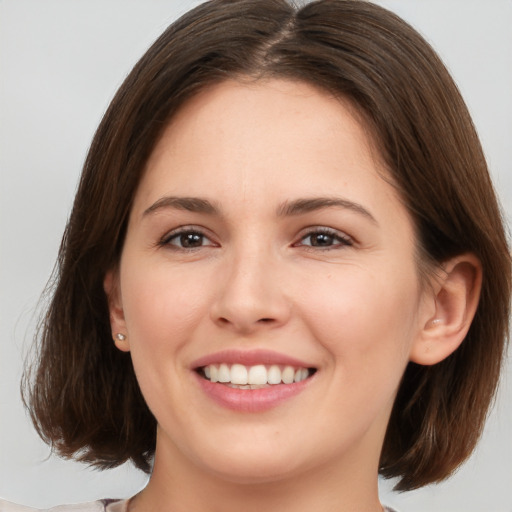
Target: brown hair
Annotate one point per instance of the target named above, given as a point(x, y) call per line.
point(83, 395)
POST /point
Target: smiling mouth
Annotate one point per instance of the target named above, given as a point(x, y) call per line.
point(254, 377)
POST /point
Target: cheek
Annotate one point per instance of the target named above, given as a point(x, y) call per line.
point(162, 309)
point(365, 327)
point(364, 317)
point(161, 305)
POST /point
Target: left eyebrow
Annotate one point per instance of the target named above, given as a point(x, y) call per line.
point(306, 205)
point(191, 204)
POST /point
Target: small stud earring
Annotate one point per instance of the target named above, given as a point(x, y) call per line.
point(120, 336)
point(436, 321)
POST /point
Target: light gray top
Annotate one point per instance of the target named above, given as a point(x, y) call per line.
point(94, 506)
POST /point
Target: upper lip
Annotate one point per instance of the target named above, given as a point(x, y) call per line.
point(249, 358)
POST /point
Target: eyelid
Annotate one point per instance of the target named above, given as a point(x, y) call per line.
point(169, 235)
point(344, 240)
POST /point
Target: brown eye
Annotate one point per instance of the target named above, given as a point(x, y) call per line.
point(325, 239)
point(187, 240)
point(321, 240)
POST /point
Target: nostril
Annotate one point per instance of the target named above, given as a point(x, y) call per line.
point(244, 325)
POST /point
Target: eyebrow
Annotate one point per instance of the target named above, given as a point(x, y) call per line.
point(306, 205)
point(191, 204)
point(287, 209)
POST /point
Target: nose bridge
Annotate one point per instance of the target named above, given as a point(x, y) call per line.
point(251, 294)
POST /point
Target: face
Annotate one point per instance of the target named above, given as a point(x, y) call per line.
point(267, 288)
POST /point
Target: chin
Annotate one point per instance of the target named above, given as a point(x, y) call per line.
point(245, 473)
point(257, 466)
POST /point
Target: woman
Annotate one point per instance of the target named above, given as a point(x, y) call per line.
point(294, 201)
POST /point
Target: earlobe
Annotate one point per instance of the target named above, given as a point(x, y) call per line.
point(456, 294)
point(116, 312)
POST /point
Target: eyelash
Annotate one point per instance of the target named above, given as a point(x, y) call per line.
point(182, 232)
point(340, 240)
point(337, 240)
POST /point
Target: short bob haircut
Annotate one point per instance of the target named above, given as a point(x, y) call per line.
point(82, 392)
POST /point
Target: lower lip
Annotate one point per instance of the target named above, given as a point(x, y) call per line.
point(251, 400)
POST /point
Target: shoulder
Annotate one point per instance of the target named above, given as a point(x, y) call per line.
point(93, 506)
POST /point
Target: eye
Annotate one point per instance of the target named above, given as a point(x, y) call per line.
point(186, 239)
point(325, 238)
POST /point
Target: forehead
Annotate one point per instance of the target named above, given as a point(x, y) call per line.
point(274, 138)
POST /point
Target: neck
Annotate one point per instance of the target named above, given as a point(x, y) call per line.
point(181, 487)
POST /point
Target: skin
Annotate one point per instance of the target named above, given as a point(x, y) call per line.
point(352, 307)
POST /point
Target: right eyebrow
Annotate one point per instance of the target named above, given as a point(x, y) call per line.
point(191, 204)
point(306, 205)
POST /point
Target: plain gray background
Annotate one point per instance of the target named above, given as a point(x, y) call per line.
point(60, 63)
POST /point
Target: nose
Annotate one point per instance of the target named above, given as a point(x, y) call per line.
point(251, 295)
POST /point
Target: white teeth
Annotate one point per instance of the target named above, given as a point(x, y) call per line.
point(288, 375)
point(224, 373)
point(238, 374)
point(274, 375)
point(254, 377)
point(300, 374)
point(257, 375)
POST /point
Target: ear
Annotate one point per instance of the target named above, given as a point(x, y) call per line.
point(115, 306)
point(455, 295)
